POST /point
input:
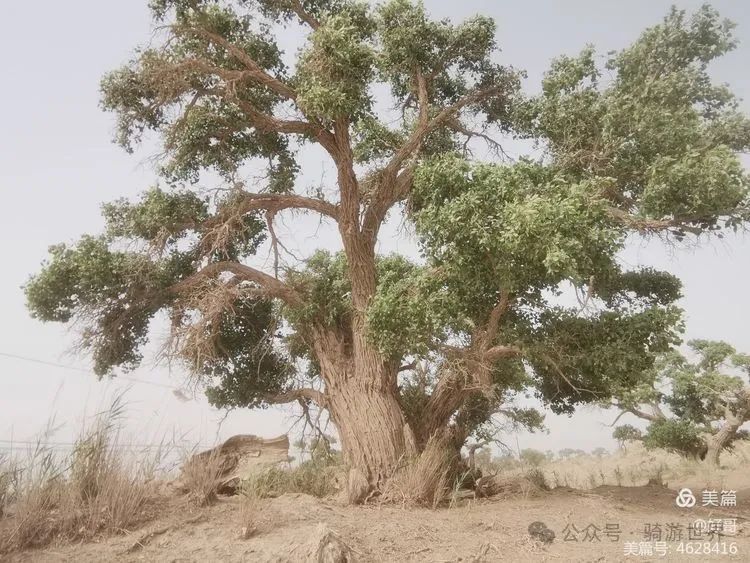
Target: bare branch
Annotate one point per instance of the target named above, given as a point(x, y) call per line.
point(218, 231)
point(456, 125)
point(268, 123)
point(618, 417)
point(274, 241)
point(303, 15)
point(423, 129)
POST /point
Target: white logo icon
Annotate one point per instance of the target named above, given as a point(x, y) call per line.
point(685, 498)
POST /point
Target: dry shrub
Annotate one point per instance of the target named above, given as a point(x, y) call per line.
point(636, 466)
point(8, 478)
point(318, 478)
point(201, 477)
point(527, 485)
point(537, 478)
point(251, 509)
point(425, 481)
point(93, 491)
point(35, 497)
point(464, 481)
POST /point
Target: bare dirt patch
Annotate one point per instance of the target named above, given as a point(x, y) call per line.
point(473, 530)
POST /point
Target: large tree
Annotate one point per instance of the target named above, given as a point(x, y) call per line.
point(403, 355)
point(695, 408)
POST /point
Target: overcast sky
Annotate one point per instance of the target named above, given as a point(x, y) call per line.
point(57, 165)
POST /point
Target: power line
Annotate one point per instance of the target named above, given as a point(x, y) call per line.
point(9, 444)
point(81, 370)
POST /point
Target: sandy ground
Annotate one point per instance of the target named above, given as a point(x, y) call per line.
point(473, 530)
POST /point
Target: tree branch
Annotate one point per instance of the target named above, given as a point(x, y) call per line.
point(297, 7)
point(493, 322)
point(271, 286)
point(254, 70)
point(391, 194)
point(347, 178)
point(305, 394)
point(280, 202)
point(635, 411)
point(618, 417)
point(424, 128)
point(645, 225)
point(393, 186)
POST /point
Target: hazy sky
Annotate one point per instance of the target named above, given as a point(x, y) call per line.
point(57, 165)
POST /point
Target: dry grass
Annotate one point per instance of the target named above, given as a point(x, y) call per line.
point(251, 508)
point(318, 478)
point(425, 481)
point(201, 477)
point(634, 467)
point(92, 491)
point(8, 475)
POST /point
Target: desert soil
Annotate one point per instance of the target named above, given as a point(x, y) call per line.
point(472, 530)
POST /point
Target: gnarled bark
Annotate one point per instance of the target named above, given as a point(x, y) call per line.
point(373, 431)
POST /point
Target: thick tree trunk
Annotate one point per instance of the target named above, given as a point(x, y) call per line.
point(373, 432)
point(376, 438)
point(734, 418)
point(715, 444)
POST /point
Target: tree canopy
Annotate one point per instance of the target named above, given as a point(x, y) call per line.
point(639, 142)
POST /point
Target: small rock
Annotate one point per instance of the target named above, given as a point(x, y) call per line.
point(540, 532)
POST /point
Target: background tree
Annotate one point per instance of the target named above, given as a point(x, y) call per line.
point(567, 453)
point(599, 452)
point(404, 355)
point(626, 433)
point(533, 457)
point(695, 408)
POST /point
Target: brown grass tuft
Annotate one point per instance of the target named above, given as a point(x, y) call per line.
point(201, 477)
point(251, 508)
point(425, 481)
point(93, 491)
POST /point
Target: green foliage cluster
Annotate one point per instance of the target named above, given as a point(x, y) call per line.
point(660, 132)
point(626, 433)
point(676, 435)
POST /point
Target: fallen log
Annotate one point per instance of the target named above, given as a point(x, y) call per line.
point(240, 457)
